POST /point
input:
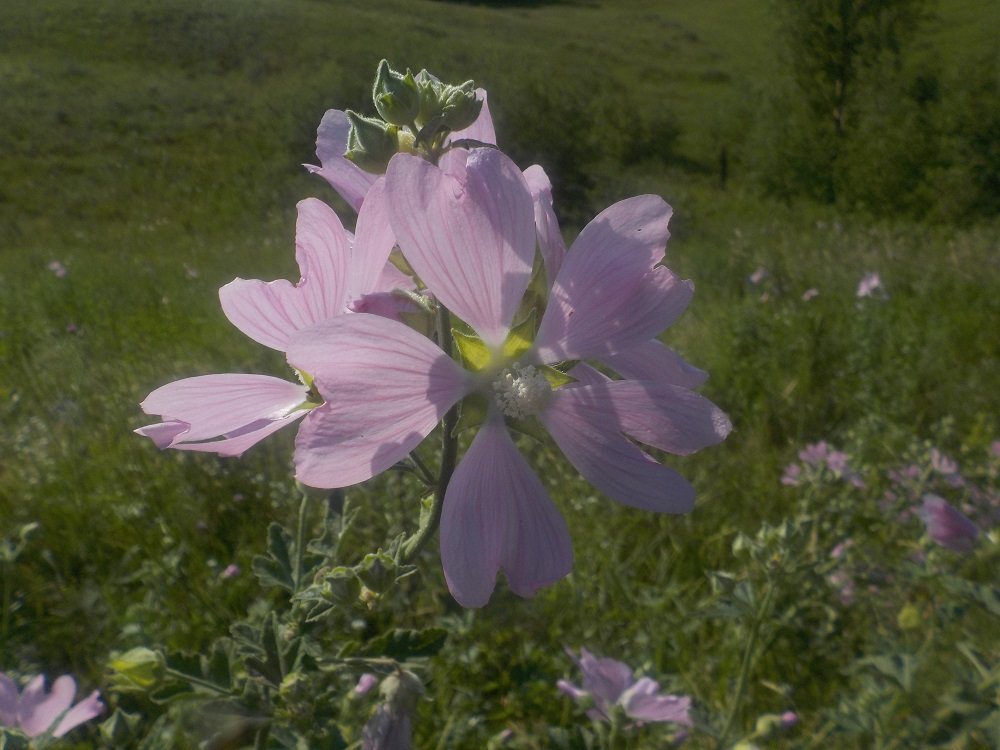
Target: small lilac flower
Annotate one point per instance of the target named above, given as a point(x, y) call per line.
point(837, 462)
point(608, 683)
point(365, 683)
point(792, 476)
point(759, 274)
point(845, 586)
point(995, 448)
point(870, 284)
point(58, 269)
point(789, 719)
point(947, 526)
point(838, 551)
point(468, 230)
point(809, 294)
point(231, 571)
point(815, 453)
point(942, 464)
point(229, 413)
point(36, 712)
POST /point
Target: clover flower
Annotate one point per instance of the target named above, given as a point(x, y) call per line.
point(37, 712)
point(610, 684)
point(229, 413)
point(468, 230)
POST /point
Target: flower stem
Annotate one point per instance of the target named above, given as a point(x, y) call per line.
point(748, 655)
point(449, 452)
point(300, 542)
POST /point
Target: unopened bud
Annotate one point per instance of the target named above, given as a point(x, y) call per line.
point(459, 106)
point(341, 586)
point(370, 142)
point(377, 571)
point(138, 669)
point(396, 96)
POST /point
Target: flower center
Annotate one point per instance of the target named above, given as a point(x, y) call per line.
point(521, 391)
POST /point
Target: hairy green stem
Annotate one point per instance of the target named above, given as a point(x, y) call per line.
point(300, 542)
point(748, 655)
point(449, 453)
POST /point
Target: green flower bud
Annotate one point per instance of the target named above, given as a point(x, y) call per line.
point(396, 96)
point(402, 690)
point(370, 142)
point(137, 670)
point(341, 586)
point(377, 571)
point(459, 106)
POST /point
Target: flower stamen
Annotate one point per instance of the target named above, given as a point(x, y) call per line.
point(521, 391)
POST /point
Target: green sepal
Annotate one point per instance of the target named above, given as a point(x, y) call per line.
point(472, 413)
point(520, 338)
point(476, 356)
point(556, 378)
point(530, 427)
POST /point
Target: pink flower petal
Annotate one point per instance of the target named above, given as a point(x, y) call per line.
point(608, 295)
point(386, 387)
point(468, 233)
point(590, 435)
point(38, 709)
point(373, 241)
point(269, 312)
point(668, 417)
point(550, 240)
point(346, 177)
point(605, 679)
point(482, 129)
point(651, 360)
point(9, 698)
point(498, 516)
point(215, 406)
point(642, 702)
point(87, 709)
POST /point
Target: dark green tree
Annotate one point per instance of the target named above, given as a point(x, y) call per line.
point(830, 44)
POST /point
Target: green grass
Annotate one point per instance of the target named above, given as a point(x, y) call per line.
point(155, 152)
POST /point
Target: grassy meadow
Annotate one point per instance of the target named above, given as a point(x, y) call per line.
point(152, 152)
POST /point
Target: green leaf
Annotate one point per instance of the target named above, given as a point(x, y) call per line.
point(401, 644)
point(275, 569)
point(987, 596)
point(897, 667)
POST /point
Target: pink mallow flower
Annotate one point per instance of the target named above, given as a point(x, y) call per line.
point(947, 526)
point(229, 413)
point(608, 683)
point(36, 712)
point(468, 231)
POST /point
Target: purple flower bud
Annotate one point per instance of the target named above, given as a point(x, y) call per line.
point(947, 526)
